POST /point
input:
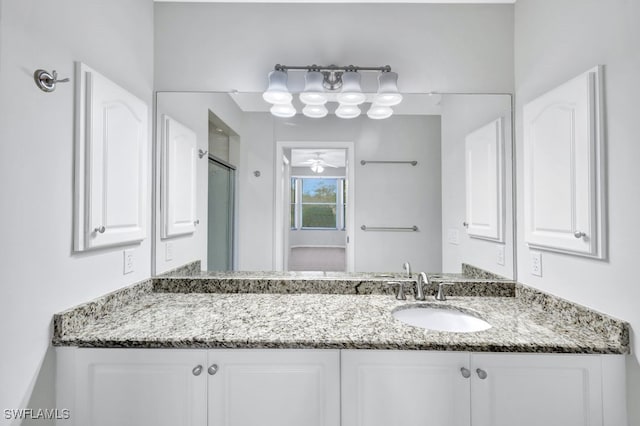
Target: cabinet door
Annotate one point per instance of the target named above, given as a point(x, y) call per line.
point(404, 388)
point(139, 387)
point(563, 172)
point(536, 390)
point(484, 182)
point(178, 200)
point(111, 163)
point(274, 388)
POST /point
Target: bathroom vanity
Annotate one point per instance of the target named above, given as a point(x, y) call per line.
point(324, 349)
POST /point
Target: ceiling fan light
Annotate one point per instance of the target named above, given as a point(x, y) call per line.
point(277, 93)
point(317, 168)
point(379, 112)
point(351, 93)
point(315, 111)
point(283, 110)
point(388, 94)
point(347, 111)
point(313, 93)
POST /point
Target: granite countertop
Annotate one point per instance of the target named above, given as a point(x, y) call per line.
point(143, 317)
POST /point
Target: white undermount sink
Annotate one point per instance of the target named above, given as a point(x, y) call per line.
point(440, 319)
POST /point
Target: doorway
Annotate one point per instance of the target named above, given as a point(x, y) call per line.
point(314, 207)
point(221, 200)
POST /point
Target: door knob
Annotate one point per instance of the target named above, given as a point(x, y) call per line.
point(465, 372)
point(100, 229)
point(197, 370)
point(481, 373)
point(579, 234)
point(213, 369)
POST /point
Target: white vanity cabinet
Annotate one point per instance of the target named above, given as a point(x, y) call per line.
point(408, 388)
point(192, 387)
point(416, 388)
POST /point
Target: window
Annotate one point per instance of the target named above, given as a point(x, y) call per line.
point(318, 203)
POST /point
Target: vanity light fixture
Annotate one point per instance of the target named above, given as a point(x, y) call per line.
point(328, 83)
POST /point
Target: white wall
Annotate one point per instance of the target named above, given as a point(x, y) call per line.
point(460, 116)
point(556, 40)
point(192, 110)
point(433, 47)
point(40, 274)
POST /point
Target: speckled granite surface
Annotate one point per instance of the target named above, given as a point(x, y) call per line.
point(326, 283)
point(189, 269)
point(471, 271)
point(325, 321)
point(209, 312)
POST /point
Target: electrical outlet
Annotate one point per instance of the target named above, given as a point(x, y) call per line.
point(536, 263)
point(168, 251)
point(453, 236)
point(500, 255)
point(128, 261)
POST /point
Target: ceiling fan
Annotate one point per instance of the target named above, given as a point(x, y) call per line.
point(317, 164)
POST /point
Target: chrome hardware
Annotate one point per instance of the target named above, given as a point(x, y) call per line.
point(100, 229)
point(481, 373)
point(466, 373)
point(413, 228)
point(422, 280)
point(465, 224)
point(400, 293)
point(579, 234)
point(441, 296)
point(196, 222)
point(365, 162)
point(407, 267)
point(202, 153)
point(213, 369)
point(47, 82)
point(256, 173)
point(197, 370)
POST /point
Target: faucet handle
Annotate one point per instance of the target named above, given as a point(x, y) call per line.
point(400, 293)
point(441, 296)
point(407, 267)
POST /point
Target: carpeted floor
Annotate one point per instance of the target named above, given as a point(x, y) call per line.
point(317, 259)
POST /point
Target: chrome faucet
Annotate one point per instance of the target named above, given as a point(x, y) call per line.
point(422, 280)
point(441, 296)
point(407, 267)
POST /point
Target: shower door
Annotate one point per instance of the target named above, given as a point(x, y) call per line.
point(221, 215)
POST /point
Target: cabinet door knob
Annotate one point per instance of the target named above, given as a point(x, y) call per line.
point(213, 369)
point(466, 373)
point(100, 229)
point(481, 373)
point(197, 370)
point(196, 222)
point(465, 224)
point(579, 234)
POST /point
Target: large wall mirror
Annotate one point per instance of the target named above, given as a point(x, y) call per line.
point(241, 189)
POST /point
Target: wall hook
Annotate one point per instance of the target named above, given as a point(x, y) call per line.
point(202, 153)
point(47, 82)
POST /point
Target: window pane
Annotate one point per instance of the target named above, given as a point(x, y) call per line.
point(293, 216)
point(319, 190)
point(318, 216)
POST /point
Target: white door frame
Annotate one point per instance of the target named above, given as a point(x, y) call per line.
point(280, 186)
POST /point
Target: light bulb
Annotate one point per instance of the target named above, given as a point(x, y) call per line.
point(277, 93)
point(379, 112)
point(348, 111)
point(388, 94)
point(283, 110)
point(351, 93)
point(315, 111)
point(313, 93)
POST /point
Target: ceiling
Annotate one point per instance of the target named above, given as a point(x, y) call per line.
point(335, 157)
point(346, 1)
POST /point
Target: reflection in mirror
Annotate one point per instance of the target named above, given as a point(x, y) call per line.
point(344, 194)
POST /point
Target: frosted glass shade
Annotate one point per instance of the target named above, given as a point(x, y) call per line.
point(313, 93)
point(283, 110)
point(277, 93)
point(351, 93)
point(348, 111)
point(379, 112)
point(317, 168)
point(315, 111)
point(388, 94)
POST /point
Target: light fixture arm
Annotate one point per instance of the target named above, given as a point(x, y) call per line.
point(331, 68)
